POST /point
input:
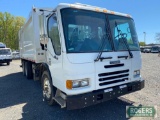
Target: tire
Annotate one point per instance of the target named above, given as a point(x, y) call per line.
point(28, 70)
point(8, 63)
point(49, 90)
point(23, 68)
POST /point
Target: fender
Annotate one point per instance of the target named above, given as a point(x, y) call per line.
point(45, 67)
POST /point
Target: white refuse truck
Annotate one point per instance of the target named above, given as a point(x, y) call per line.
point(82, 54)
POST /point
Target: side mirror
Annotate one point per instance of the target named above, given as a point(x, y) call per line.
point(42, 46)
point(43, 41)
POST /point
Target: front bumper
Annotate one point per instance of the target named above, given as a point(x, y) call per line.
point(98, 96)
point(5, 60)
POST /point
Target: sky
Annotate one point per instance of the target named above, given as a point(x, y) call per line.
point(146, 13)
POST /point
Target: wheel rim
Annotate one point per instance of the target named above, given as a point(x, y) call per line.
point(46, 88)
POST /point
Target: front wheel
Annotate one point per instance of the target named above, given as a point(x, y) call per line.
point(48, 89)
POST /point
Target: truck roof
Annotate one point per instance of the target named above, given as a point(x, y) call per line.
point(92, 8)
point(85, 7)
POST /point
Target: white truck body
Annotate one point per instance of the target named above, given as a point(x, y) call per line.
point(29, 35)
point(116, 68)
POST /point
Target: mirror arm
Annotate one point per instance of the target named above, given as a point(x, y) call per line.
point(43, 41)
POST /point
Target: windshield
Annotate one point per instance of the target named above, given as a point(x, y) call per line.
point(5, 52)
point(84, 31)
point(123, 28)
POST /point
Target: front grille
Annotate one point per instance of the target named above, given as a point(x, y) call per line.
point(111, 82)
point(113, 73)
point(113, 77)
point(112, 66)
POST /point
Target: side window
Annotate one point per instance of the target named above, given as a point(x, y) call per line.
point(54, 34)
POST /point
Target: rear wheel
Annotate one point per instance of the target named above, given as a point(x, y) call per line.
point(28, 70)
point(48, 89)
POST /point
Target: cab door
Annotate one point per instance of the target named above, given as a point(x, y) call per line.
point(54, 56)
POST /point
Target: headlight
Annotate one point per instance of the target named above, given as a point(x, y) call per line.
point(75, 84)
point(84, 83)
point(70, 84)
point(136, 73)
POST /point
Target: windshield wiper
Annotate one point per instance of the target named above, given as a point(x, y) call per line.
point(101, 49)
point(127, 46)
point(124, 41)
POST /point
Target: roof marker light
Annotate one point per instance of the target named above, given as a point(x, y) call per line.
point(97, 9)
point(105, 11)
point(112, 12)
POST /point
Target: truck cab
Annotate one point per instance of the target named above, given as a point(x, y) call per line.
point(89, 54)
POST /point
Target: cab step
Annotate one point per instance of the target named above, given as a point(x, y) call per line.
point(60, 101)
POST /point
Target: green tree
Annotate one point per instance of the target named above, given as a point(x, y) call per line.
point(9, 27)
point(142, 43)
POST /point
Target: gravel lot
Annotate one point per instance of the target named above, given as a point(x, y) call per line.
point(22, 99)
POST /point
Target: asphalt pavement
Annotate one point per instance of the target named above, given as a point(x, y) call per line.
point(22, 99)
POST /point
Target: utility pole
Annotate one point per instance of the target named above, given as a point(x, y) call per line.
point(144, 37)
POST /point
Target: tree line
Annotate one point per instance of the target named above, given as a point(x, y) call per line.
point(9, 27)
